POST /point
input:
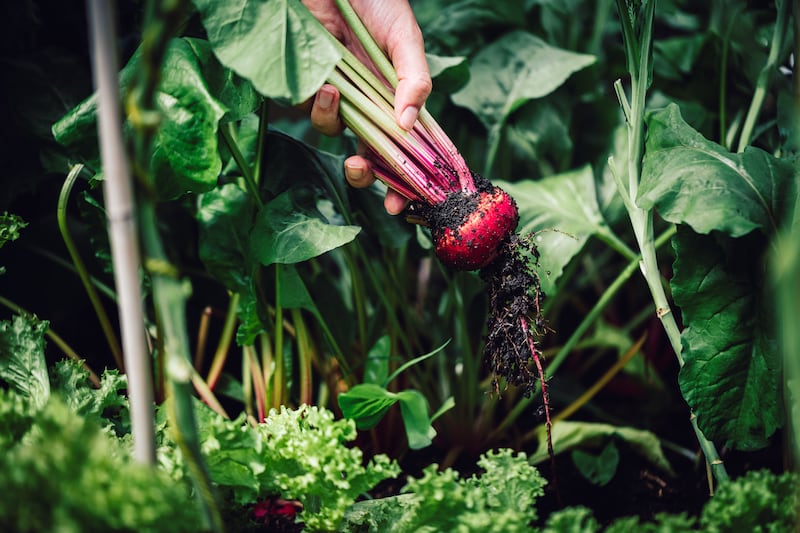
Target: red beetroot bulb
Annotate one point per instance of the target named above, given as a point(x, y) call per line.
point(469, 228)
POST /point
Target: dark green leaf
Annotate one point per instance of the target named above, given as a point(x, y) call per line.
point(598, 469)
point(694, 181)
point(416, 419)
point(277, 45)
point(514, 69)
point(225, 217)
point(731, 376)
point(366, 403)
point(22, 362)
point(563, 210)
point(289, 230)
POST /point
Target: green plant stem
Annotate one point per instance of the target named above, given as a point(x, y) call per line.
point(80, 268)
point(304, 356)
point(261, 143)
point(762, 84)
point(258, 381)
point(278, 375)
point(639, 53)
point(123, 235)
point(57, 340)
point(226, 132)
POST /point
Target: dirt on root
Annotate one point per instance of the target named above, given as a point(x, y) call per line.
point(515, 303)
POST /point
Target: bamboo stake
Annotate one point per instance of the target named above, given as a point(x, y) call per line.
point(118, 195)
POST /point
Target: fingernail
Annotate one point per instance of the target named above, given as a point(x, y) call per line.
point(325, 98)
point(409, 117)
point(354, 173)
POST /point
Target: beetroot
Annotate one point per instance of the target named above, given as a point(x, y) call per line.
point(472, 222)
point(475, 226)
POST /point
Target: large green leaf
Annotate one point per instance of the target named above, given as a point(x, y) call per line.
point(568, 435)
point(563, 210)
point(731, 378)
point(276, 44)
point(195, 93)
point(225, 217)
point(694, 181)
point(514, 69)
point(289, 230)
point(22, 363)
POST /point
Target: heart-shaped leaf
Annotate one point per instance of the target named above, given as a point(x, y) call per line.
point(289, 230)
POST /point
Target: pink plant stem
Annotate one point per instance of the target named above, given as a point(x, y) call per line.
point(546, 401)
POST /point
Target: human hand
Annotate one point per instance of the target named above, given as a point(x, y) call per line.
point(392, 24)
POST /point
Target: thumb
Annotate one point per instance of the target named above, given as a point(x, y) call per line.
point(414, 79)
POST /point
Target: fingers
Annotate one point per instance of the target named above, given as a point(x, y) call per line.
point(325, 111)
point(358, 172)
point(407, 53)
point(394, 202)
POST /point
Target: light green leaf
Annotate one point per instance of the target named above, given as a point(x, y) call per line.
point(376, 367)
point(288, 230)
point(414, 409)
point(691, 180)
point(731, 378)
point(563, 212)
point(512, 70)
point(366, 403)
point(10, 225)
point(568, 435)
point(276, 44)
point(22, 362)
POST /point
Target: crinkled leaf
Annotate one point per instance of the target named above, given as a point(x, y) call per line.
point(276, 44)
point(514, 69)
point(185, 151)
point(691, 180)
point(10, 225)
point(568, 435)
point(225, 217)
point(731, 378)
point(290, 230)
point(366, 403)
point(22, 362)
point(563, 210)
point(104, 405)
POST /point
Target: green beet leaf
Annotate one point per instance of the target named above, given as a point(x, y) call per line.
point(516, 68)
point(731, 375)
point(691, 180)
point(225, 215)
point(194, 95)
point(289, 230)
point(564, 210)
point(277, 45)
